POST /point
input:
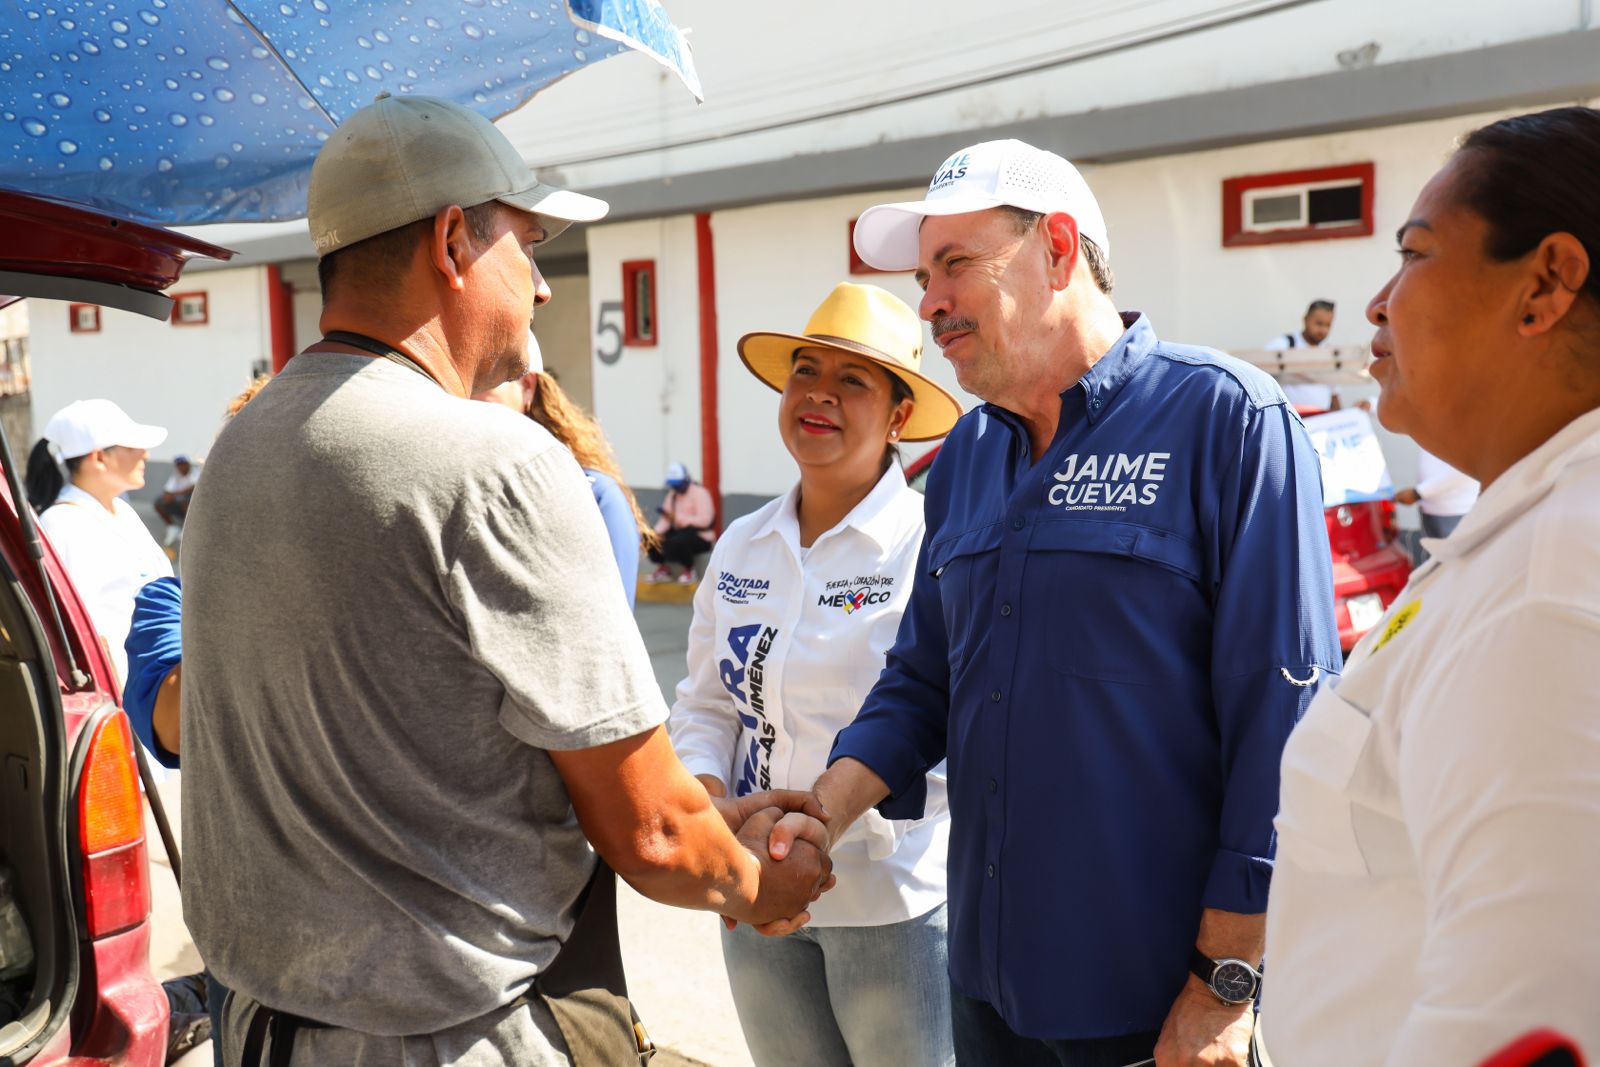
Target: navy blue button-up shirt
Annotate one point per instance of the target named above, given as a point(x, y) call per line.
point(1110, 648)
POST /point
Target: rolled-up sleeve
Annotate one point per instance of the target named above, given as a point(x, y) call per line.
point(901, 729)
point(704, 723)
point(1274, 638)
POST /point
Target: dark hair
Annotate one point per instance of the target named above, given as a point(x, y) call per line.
point(381, 260)
point(45, 479)
point(1320, 305)
point(1533, 175)
point(1093, 256)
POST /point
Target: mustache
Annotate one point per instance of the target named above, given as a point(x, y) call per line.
point(941, 327)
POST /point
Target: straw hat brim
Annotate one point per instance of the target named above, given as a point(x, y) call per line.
point(770, 357)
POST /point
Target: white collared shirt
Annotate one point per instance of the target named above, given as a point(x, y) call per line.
point(1437, 889)
point(786, 644)
point(110, 556)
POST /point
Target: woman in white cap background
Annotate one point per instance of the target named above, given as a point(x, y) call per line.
point(90, 454)
point(785, 645)
point(540, 397)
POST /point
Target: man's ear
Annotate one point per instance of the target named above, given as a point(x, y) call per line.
point(450, 247)
point(1061, 248)
point(1560, 270)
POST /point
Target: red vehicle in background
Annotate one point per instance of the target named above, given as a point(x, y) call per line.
point(75, 981)
point(1370, 566)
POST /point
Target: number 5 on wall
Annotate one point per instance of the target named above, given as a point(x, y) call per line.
point(608, 334)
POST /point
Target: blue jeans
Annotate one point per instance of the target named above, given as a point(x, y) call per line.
point(832, 996)
point(983, 1038)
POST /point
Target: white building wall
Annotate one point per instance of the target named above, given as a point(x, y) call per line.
point(180, 377)
point(770, 68)
point(649, 399)
point(776, 262)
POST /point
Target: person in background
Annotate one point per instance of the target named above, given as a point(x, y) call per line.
point(173, 503)
point(781, 656)
point(91, 453)
point(1439, 825)
point(687, 526)
point(1314, 330)
point(1443, 494)
point(537, 395)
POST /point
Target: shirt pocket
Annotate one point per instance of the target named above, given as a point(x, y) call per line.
point(1131, 596)
point(1332, 786)
point(965, 566)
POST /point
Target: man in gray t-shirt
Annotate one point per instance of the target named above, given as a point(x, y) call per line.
point(407, 718)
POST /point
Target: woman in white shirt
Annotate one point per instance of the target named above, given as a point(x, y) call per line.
point(91, 453)
point(801, 601)
point(1437, 886)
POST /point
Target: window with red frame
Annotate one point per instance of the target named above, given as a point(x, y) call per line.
point(83, 318)
point(1297, 205)
point(639, 324)
point(190, 309)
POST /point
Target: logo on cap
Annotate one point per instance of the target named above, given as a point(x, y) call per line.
point(951, 170)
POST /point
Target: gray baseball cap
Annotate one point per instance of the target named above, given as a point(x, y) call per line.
point(402, 158)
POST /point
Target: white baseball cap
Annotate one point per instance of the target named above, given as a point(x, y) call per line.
point(987, 175)
point(89, 425)
point(402, 158)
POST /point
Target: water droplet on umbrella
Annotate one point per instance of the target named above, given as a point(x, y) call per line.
point(225, 95)
point(119, 26)
point(105, 163)
point(287, 9)
point(325, 81)
point(259, 52)
point(178, 118)
point(430, 22)
point(170, 83)
point(60, 100)
point(140, 109)
point(582, 37)
point(580, 55)
point(207, 120)
point(34, 128)
point(217, 63)
point(163, 164)
point(480, 98)
point(381, 37)
point(67, 147)
point(102, 115)
point(197, 96)
point(363, 42)
point(258, 99)
point(149, 18)
point(68, 24)
point(321, 5)
point(222, 162)
point(373, 73)
point(237, 147)
point(473, 30)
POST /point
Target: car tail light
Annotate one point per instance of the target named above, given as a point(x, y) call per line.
point(116, 876)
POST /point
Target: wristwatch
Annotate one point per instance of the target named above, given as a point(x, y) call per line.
point(1232, 981)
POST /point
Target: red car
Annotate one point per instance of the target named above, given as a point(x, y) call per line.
point(1369, 565)
point(72, 830)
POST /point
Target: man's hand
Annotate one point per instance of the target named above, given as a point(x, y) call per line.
point(1201, 1031)
point(737, 811)
point(789, 886)
point(1407, 496)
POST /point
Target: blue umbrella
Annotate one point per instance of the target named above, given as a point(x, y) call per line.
point(200, 111)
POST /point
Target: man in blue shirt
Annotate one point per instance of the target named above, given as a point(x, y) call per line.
point(1124, 601)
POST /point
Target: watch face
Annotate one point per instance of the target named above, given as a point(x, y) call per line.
point(1234, 982)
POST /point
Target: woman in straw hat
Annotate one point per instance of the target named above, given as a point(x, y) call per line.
point(801, 601)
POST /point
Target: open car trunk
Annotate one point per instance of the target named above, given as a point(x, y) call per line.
point(38, 921)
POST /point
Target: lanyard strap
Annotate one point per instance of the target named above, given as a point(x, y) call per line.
point(379, 348)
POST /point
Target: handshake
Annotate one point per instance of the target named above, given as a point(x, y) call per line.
point(786, 831)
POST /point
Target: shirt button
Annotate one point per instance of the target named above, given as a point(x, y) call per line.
point(1016, 524)
point(994, 786)
point(1095, 403)
point(990, 870)
point(995, 696)
point(1005, 609)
